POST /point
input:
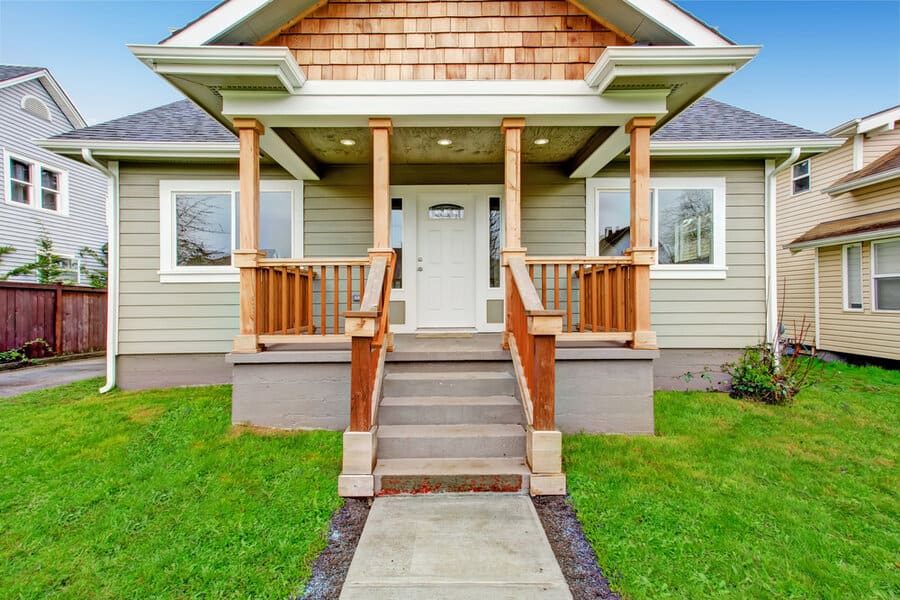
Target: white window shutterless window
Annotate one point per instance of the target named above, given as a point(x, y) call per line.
point(852, 277)
point(800, 177)
point(35, 185)
point(200, 227)
point(886, 275)
point(687, 224)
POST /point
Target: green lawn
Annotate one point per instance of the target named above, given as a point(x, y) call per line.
point(738, 500)
point(154, 495)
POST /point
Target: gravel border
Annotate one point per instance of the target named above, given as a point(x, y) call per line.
point(573, 552)
point(331, 566)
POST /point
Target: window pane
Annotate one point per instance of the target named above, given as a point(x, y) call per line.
point(203, 229)
point(20, 192)
point(49, 179)
point(801, 169)
point(49, 200)
point(20, 170)
point(887, 258)
point(801, 185)
point(494, 242)
point(397, 240)
point(685, 227)
point(613, 222)
point(275, 223)
point(887, 293)
point(852, 273)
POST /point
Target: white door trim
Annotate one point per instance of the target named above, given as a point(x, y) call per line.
point(409, 293)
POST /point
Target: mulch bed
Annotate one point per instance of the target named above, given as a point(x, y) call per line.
point(572, 550)
point(330, 568)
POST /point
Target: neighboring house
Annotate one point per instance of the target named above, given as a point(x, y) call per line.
point(839, 241)
point(43, 192)
point(486, 149)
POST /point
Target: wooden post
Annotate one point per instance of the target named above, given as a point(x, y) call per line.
point(512, 181)
point(544, 393)
point(642, 254)
point(381, 181)
point(58, 321)
point(361, 383)
point(245, 258)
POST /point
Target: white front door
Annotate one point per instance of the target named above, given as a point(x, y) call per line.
point(445, 259)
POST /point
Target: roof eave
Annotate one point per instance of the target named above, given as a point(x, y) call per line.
point(845, 239)
point(115, 150)
point(862, 182)
point(674, 148)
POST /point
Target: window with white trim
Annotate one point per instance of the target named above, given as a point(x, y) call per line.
point(800, 177)
point(687, 224)
point(35, 185)
point(852, 277)
point(200, 227)
point(886, 275)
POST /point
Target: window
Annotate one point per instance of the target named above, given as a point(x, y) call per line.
point(495, 223)
point(853, 277)
point(397, 240)
point(200, 227)
point(687, 224)
point(34, 185)
point(886, 275)
point(800, 177)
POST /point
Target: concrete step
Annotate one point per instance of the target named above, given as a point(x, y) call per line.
point(442, 383)
point(447, 366)
point(450, 475)
point(450, 410)
point(451, 441)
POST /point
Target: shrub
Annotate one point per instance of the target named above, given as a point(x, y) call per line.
point(24, 354)
point(761, 375)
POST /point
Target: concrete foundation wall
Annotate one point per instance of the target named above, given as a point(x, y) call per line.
point(705, 367)
point(144, 371)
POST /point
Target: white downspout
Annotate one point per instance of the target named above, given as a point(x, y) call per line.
point(772, 171)
point(111, 170)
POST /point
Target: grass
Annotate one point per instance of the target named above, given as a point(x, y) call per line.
point(154, 495)
point(733, 499)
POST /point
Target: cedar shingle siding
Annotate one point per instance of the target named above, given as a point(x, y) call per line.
point(407, 40)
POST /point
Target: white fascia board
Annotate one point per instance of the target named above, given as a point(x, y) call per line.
point(860, 125)
point(680, 23)
point(424, 104)
point(56, 92)
point(215, 22)
point(671, 61)
point(846, 239)
point(863, 182)
point(161, 150)
point(227, 62)
point(740, 147)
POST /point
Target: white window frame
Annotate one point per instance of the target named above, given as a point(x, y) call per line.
point(794, 177)
point(170, 272)
point(718, 269)
point(875, 277)
point(36, 186)
point(76, 261)
point(845, 279)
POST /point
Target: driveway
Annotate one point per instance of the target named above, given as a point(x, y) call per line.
point(29, 379)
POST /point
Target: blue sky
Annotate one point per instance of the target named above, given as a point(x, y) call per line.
point(823, 62)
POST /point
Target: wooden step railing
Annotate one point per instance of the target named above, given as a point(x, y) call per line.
point(531, 334)
point(595, 294)
point(371, 338)
point(306, 297)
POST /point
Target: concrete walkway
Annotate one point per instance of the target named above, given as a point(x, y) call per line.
point(27, 379)
point(443, 546)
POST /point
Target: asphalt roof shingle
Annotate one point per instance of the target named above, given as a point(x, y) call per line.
point(181, 121)
point(711, 120)
point(889, 161)
point(13, 71)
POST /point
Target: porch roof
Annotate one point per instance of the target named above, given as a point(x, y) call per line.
point(885, 223)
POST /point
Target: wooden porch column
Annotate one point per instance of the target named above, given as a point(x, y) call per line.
point(641, 252)
point(246, 256)
point(381, 182)
point(512, 182)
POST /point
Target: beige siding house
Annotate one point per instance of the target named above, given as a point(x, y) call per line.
point(452, 229)
point(838, 241)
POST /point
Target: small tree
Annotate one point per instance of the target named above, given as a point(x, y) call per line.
point(96, 277)
point(47, 266)
point(4, 250)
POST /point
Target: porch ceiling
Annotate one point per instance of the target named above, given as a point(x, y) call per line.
point(419, 145)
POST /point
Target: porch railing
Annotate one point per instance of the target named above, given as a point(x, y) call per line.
point(594, 293)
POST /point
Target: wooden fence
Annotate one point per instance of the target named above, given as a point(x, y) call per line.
point(72, 320)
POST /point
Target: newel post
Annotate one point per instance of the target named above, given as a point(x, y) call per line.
point(512, 213)
point(641, 252)
point(247, 255)
point(381, 182)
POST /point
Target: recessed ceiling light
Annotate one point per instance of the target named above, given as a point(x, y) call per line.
point(444, 142)
point(541, 142)
point(348, 142)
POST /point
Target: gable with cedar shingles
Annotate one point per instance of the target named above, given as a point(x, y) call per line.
point(471, 39)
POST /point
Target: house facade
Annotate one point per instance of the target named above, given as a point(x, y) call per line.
point(394, 217)
point(43, 193)
point(839, 241)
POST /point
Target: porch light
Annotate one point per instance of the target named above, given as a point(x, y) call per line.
point(444, 142)
point(541, 142)
point(348, 142)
